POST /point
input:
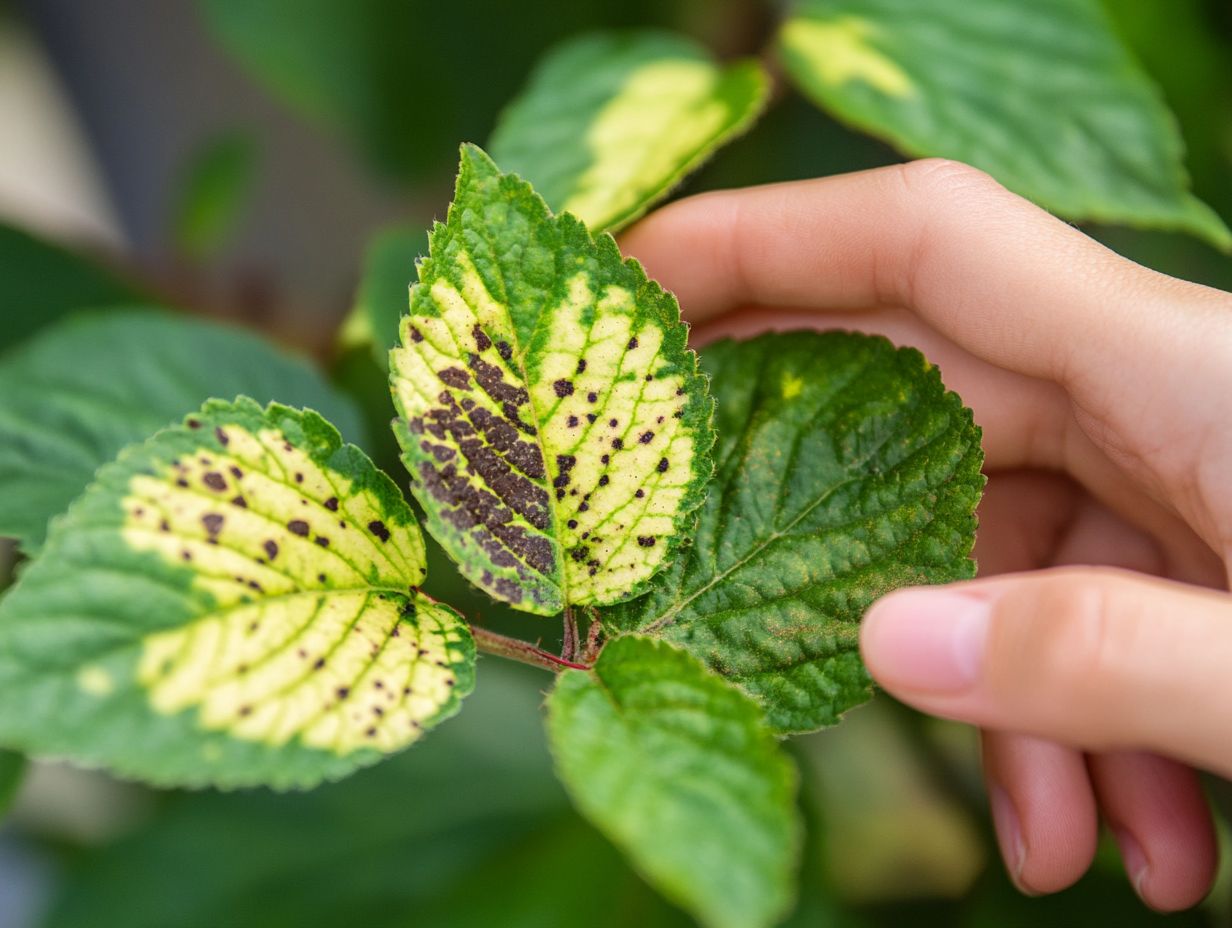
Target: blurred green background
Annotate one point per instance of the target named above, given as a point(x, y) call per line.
point(234, 159)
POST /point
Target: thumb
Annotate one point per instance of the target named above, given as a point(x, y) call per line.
point(1096, 658)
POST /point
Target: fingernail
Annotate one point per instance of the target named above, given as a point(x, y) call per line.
point(1009, 834)
point(1133, 858)
point(922, 639)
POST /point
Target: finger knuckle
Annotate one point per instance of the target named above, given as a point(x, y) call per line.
point(941, 180)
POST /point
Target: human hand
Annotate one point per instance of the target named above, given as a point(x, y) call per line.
point(1105, 393)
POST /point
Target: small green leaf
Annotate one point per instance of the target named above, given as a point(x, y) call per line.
point(1042, 95)
point(554, 422)
point(40, 282)
point(611, 122)
point(677, 767)
point(233, 602)
point(845, 470)
point(12, 769)
point(216, 188)
point(82, 390)
point(381, 302)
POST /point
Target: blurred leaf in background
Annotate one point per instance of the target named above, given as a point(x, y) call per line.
point(407, 81)
point(384, 290)
point(12, 768)
point(95, 382)
point(214, 193)
point(470, 827)
point(1040, 95)
point(41, 282)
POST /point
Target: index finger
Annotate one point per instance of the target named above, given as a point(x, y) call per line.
point(997, 275)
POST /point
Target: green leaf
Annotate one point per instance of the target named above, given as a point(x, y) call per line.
point(12, 769)
point(553, 420)
point(40, 282)
point(611, 122)
point(1043, 96)
point(678, 768)
point(845, 470)
point(82, 390)
point(216, 189)
point(383, 296)
point(233, 602)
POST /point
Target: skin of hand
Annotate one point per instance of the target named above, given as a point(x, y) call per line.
point(1095, 648)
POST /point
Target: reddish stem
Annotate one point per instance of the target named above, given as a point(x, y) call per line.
point(523, 651)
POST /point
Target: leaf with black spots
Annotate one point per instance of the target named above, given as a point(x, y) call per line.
point(233, 602)
point(553, 420)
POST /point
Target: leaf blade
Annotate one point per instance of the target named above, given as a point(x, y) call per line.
point(845, 470)
point(609, 123)
point(1088, 135)
point(78, 393)
point(677, 768)
point(552, 416)
point(233, 602)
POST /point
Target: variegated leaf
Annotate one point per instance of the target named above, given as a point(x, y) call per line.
point(554, 422)
point(233, 602)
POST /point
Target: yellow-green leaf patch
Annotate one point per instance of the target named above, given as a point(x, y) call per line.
point(553, 421)
point(233, 602)
point(610, 122)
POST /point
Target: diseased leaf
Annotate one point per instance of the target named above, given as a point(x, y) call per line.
point(553, 421)
point(233, 602)
point(83, 389)
point(677, 767)
point(845, 470)
point(611, 122)
point(40, 282)
point(1042, 95)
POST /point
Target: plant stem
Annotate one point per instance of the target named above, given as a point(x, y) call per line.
point(569, 644)
point(523, 651)
point(594, 634)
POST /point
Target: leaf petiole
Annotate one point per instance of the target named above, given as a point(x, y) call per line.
point(523, 651)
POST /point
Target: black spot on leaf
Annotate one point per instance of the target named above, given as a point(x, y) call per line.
point(646, 437)
point(377, 528)
point(298, 527)
point(331, 504)
point(646, 541)
point(271, 548)
point(563, 387)
point(221, 436)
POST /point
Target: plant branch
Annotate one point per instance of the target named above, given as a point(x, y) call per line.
point(522, 651)
point(569, 643)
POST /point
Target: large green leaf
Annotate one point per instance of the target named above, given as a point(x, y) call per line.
point(678, 768)
point(232, 602)
point(553, 420)
point(40, 282)
point(610, 122)
point(1041, 95)
point(82, 390)
point(845, 470)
